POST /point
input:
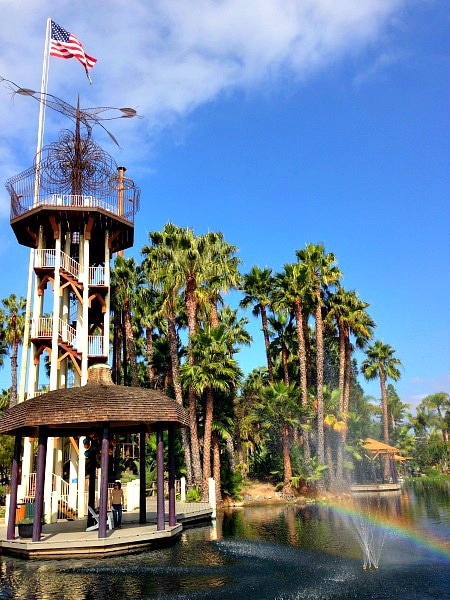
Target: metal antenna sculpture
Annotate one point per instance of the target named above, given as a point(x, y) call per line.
point(88, 116)
point(75, 164)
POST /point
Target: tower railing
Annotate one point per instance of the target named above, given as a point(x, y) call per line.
point(95, 345)
point(70, 265)
point(46, 258)
point(43, 328)
point(126, 209)
point(97, 275)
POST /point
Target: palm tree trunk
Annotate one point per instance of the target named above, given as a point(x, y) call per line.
point(175, 363)
point(329, 459)
point(117, 355)
point(149, 345)
point(265, 328)
point(131, 347)
point(214, 317)
point(191, 310)
point(216, 466)
point(207, 442)
point(384, 406)
point(341, 437)
point(230, 450)
point(319, 368)
point(299, 328)
point(14, 350)
point(286, 458)
point(284, 358)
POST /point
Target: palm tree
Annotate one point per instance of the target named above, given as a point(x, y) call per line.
point(246, 430)
point(257, 286)
point(147, 307)
point(12, 316)
point(291, 293)
point(126, 279)
point(349, 314)
point(282, 332)
point(239, 336)
point(436, 407)
point(168, 285)
point(381, 363)
point(214, 370)
point(321, 274)
point(220, 274)
point(278, 408)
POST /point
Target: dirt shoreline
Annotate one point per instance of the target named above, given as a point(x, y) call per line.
point(258, 492)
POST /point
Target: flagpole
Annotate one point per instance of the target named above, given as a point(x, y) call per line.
point(40, 140)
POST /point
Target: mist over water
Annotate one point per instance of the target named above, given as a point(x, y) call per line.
point(256, 553)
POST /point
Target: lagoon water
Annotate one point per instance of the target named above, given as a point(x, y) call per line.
point(268, 552)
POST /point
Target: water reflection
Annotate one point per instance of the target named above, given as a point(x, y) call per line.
point(269, 552)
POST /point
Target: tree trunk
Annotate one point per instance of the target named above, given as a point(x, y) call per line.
point(14, 350)
point(284, 358)
point(341, 436)
point(216, 467)
point(207, 441)
point(191, 310)
point(149, 347)
point(286, 458)
point(118, 340)
point(384, 407)
point(175, 363)
point(265, 327)
point(230, 450)
point(329, 459)
point(131, 347)
point(214, 315)
point(319, 368)
point(299, 328)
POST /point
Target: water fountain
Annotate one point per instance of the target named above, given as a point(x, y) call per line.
point(370, 537)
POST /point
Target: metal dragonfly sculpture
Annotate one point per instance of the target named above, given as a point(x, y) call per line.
point(88, 116)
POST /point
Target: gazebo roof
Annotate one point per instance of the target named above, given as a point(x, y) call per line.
point(74, 411)
point(377, 446)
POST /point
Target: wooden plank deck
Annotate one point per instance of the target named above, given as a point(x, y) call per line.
point(69, 539)
point(375, 487)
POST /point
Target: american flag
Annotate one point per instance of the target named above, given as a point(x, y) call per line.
point(66, 45)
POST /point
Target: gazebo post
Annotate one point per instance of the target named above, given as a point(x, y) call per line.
point(40, 480)
point(171, 450)
point(92, 470)
point(159, 479)
point(142, 496)
point(14, 483)
point(103, 509)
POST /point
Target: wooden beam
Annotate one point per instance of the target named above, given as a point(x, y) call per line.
point(75, 446)
point(55, 226)
point(100, 299)
point(74, 288)
point(112, 237)
point(32, 234)
point(43, 284)
point(40, 351)
point(88, 228)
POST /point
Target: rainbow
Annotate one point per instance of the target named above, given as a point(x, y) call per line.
point(396, 525)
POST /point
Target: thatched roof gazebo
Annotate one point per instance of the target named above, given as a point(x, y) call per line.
point(109, 409)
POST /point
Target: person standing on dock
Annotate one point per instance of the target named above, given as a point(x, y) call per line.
point(116, 504)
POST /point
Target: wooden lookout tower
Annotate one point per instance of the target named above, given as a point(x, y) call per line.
point(74, 208)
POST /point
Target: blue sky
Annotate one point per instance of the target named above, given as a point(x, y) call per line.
point(276, 122)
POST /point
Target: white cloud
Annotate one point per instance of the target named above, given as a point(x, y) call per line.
point(168, 57)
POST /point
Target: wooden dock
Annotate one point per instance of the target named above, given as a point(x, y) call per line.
point(69, 539)
point(375, 487)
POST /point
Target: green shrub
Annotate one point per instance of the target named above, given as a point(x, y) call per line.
point(194, 494)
